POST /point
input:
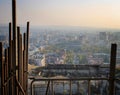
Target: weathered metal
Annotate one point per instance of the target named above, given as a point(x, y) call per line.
point(1, 68)
point(112, 69)
point(13, 68)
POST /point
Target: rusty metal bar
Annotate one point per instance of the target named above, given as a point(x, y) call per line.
point(14, 44)
point(10, 58)
point(20, 61)
point(24, 72)
point(48, 85)
point(89, 87)
point(31, 87)
point(52, 85)
point(20, 87)
point(1, 68)
point(4, 62)
point(6, 71)
point(24, 62)
point(78, 87)
point(67, 79)
point(70, 87)
point(112, 69)
point(27, 45)
point(10, 33)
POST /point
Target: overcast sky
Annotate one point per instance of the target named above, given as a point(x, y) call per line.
point(91, 13)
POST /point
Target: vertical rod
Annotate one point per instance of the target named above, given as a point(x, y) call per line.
point(14, 19)
point(5, 92)
point(70, 87)
point(14, 42)
point(24, 73)
point(20, 64)
point(6, 70)
point(10, 58)
point(78, 87)
point(1, 68)
point(12, 69)
point(27, 45)
point(89, 87)
point(48, 85)
point(112, 69)
point(52, 84)
point(10, 33)
point(24, 62)
point(21, 60)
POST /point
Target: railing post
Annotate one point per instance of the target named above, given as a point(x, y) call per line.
point(89, 87)
point(52, 85)
point(70, 87)
point(112, 69)
point(48, 85)
point(78, 87)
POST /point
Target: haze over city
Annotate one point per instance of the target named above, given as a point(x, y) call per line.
point(88, 13)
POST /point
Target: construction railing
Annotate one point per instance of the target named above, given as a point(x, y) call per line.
point(14, 60)
point(71, 86)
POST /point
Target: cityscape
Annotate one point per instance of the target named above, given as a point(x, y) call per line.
point(61, 52)
point(67, 47)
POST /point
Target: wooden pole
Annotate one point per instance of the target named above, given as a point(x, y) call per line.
point(112, 69)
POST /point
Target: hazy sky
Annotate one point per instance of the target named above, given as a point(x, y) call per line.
point(92, 13)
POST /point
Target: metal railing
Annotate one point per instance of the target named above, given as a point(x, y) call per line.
point(49, 85)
